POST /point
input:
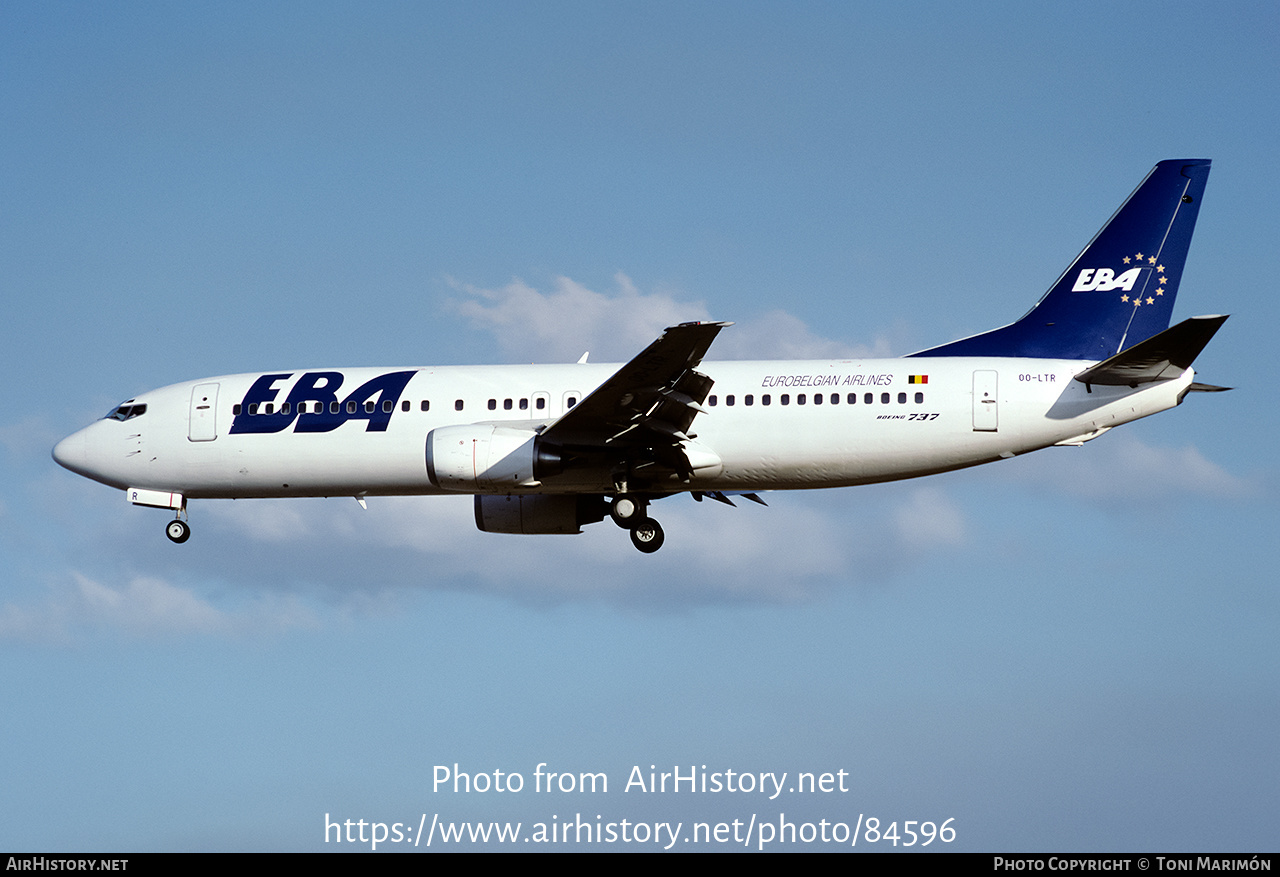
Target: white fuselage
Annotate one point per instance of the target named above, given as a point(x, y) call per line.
point(763, 420)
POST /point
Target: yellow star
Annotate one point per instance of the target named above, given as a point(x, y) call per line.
point(1164, 279)
point(1159, 292)
point(1137, 302)
point(1139, 257)
point(1151, 259)
point(1150, 300)
point(1126, 260)
point(1124, 298)
point(1160, 268)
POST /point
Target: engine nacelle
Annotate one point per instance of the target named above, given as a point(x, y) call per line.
point(479, 456)
point(538, 513)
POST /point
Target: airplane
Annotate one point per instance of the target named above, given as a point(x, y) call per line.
point(551, 448)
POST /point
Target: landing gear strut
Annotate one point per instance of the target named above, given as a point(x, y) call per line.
point(178, 531)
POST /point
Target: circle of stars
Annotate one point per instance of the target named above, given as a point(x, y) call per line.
point(1138, 300)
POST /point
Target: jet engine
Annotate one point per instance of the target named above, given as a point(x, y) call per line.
point(538, 513)
point(478, 456)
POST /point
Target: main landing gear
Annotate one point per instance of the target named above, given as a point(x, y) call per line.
point(628, 512)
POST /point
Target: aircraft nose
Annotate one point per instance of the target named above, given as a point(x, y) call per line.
point(70, 453)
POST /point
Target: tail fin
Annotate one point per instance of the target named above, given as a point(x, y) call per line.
point(1120, 289)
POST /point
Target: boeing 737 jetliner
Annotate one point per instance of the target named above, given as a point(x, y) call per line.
point(550, 448)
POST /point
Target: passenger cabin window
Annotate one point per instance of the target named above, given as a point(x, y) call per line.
point(426, 406)
point(493, 404)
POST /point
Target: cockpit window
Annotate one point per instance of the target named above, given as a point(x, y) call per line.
point(127, 411)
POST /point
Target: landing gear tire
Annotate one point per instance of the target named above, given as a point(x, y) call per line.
point(178, 531)
point(626, 510)
point(647, 535)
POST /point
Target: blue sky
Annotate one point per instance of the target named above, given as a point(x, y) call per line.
point(1073, 650)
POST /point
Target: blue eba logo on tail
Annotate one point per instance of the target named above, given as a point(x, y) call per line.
point(1137, 258)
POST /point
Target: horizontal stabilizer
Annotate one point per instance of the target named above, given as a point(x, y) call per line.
point(1161, 357)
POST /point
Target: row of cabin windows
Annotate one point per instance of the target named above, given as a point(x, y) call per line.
point(370, 406)
point(818, 399)
point(334, 407)
point(540, 404)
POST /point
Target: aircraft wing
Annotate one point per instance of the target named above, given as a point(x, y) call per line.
point(648, 405)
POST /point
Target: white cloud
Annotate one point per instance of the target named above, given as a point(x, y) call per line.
point(145, 606)
point(800, 546)
point(928, 519)
point(1120, 466)
point(779, 335)
point(557, 326)
point(268, 520)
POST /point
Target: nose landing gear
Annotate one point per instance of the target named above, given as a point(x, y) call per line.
point(178, 531)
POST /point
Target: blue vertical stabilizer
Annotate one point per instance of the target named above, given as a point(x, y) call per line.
point(1120, 289)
